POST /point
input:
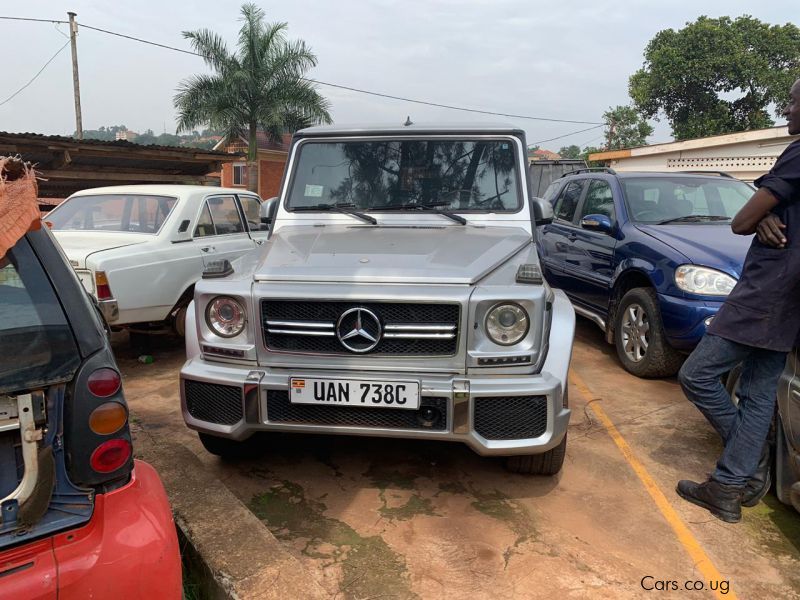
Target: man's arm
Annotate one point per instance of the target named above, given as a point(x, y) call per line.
point(746, 220)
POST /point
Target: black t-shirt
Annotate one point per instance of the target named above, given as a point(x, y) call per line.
point(763, 310)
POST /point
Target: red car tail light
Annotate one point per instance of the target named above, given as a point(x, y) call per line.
point(101, 284)
point(110, 456)
point(104, 382)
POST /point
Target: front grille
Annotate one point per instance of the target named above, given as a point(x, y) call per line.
point(511, 417)
point(408, 328)
point(280, 410)
point(213, 403)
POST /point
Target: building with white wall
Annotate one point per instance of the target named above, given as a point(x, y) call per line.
point(746, 155)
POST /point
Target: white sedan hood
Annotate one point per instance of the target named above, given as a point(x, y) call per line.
point(389, 254)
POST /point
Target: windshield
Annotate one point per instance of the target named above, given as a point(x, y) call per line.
point(36, 339)
point(454, 175)
point(660, 199)
point(112, 212)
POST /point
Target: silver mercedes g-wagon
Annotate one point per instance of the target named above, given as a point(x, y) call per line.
point(398, 295)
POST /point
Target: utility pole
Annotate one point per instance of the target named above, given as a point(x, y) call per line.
point(73, 32)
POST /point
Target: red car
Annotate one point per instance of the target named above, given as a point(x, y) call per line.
point(80, 518)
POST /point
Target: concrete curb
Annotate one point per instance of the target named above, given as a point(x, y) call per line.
point(243, 558)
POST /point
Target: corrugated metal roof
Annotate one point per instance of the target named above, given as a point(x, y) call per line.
point(121, 144)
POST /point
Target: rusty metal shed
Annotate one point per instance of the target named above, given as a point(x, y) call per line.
point(66, 165)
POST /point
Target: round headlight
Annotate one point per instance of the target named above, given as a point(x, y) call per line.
point(225, 316)
point(507, 324)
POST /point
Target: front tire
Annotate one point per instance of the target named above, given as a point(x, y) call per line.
point(639, 336)
point(546, 463)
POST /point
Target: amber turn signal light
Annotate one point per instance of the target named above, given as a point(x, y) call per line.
point(108, 418)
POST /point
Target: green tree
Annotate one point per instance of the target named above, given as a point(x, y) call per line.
point(717, 76)
point(572, 151)
point(591, 150)
point(108, 134)
point(260, 86)
point(148, 137)
point(625, 128)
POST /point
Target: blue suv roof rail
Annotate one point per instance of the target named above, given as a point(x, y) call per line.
point(592, 170)
point(720, 173)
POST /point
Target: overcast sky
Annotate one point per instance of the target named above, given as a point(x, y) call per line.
point(562, 60)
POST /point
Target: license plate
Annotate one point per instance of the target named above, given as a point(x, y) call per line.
point(354, 392)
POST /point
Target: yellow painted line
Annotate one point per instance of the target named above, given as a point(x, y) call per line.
point(701, 560)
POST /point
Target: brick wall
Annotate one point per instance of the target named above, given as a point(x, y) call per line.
point(269, 179)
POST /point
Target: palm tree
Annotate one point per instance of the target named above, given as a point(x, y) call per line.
point(260, 86)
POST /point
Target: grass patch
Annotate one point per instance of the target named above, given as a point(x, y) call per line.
point(195, 574)
point(416, 505)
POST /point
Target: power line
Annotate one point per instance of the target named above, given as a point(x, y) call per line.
point(52, 58)
point(567, 135)
point(352, 89)
point(34, 20)
point(135, 39)
point(472, 110)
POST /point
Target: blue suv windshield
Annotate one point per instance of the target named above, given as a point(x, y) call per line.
point(665, 199)
point(452, 175)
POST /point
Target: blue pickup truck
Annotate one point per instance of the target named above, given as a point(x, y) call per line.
point(649, 257)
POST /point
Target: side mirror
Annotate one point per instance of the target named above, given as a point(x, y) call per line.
point(597, 223)
point(268, 210)
point(542, 211)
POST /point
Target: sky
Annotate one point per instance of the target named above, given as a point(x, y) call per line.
point(567, 60)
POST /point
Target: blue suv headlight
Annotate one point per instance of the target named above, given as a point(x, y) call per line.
point(703, 281)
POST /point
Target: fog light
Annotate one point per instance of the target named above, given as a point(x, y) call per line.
point(427, 416)
point(708, 320)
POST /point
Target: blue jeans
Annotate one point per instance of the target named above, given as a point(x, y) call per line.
point(743, 429)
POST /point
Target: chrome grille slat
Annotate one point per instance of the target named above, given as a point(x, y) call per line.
point(301, 324)
point(301, 332)
point(417, 327)
point(420, 336)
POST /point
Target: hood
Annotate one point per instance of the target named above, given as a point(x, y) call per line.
point(710, 244)
point(78, 245)
point(424, 254)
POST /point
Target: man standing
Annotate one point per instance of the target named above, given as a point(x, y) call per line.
point(756, 326)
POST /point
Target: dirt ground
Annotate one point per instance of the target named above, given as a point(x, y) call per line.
point(374, 518)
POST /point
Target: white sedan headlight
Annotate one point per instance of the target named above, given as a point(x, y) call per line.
point(704, 281)
point(225, 317)
point(507, 324)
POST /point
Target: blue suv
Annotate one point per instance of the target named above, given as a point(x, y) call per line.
point(649, 257)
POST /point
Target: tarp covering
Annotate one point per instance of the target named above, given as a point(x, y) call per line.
point(19, 207)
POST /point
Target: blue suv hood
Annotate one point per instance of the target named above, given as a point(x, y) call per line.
point(711, 245)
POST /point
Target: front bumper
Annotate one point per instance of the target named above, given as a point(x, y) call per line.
point(252, 388)
point(685, 320)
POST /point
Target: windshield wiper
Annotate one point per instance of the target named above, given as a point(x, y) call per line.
point(427, 206)
point(694, 219)
point(345, 208)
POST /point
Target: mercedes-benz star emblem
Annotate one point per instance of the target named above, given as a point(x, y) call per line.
point(358, 330)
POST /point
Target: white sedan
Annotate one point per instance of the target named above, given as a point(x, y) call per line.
point(140, 249)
